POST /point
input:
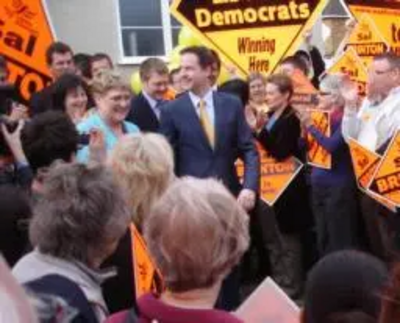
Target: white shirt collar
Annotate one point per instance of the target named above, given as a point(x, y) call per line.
point(208, 98)
point(152, 102)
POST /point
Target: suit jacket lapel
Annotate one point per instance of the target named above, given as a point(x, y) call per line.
point(192, 118)
point(218, 120)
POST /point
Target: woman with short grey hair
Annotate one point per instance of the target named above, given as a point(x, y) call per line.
point(334, 190)
point(77, 224)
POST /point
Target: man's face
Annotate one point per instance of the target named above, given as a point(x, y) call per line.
point(156, 85)
point(381, 79)
point(193, 75)
point(62, 63)
point(100, 65)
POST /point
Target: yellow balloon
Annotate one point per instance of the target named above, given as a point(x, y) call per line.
point(188, 38)
point(175, 55)
point(136, 83)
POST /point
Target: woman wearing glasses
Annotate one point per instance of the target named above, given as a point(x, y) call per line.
point(334, 191)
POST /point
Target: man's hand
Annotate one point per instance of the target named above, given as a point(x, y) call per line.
point(18, 112)
point(247, 199)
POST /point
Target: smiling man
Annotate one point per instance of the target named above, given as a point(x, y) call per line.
point(208, 133)
point(146, 107)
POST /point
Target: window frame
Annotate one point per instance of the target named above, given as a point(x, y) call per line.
point(166, 30)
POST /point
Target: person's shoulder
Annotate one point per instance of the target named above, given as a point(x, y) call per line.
point(228, 99)
point(87, 124)
point(131, 127)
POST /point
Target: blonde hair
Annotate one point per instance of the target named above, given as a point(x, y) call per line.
point(196, 233)
point(143, 165)
point(108, 80)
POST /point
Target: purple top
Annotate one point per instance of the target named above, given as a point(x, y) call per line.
point(342, 168)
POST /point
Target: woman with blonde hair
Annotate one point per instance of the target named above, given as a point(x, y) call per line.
point(143, 165)
point(107, 125)
point(143, 161)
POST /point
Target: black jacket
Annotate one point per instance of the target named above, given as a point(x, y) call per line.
point(292, 209)
point(142, 115)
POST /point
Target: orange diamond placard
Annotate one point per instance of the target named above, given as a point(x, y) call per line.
point(147, 277)
point(25, 35)
point(275, 176)
point(350, 64)
point(253, 35)
point(384, 13)
point(317, 155)
point(386, 180)
point(366, 40)
point(365, 164)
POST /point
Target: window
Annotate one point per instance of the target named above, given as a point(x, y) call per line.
point(146, 29)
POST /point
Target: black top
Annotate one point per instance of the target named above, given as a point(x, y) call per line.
point(41, 101)
point(292, 209)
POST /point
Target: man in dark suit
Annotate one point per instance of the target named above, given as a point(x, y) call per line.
point(145, 108)
point(208, 133)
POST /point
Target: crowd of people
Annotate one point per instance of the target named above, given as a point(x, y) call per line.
point(86, 165)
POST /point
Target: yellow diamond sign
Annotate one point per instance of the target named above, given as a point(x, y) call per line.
point(254, 35)
point(366, 40)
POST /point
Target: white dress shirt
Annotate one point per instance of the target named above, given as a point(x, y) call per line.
point(153, 105)
point(374, 124)
point(209, 100)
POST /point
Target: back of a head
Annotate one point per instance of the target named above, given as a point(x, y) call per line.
point(345, 287)
point(146, 161)
point(391, 298)
point(196, 233)
point(238, 88)
point(48, 137)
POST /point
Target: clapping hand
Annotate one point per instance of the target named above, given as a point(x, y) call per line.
point(97, 146)
point(349, 92)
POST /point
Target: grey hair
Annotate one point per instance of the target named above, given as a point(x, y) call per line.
point(333, 84)
point(196, 233)
point(82, 210)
